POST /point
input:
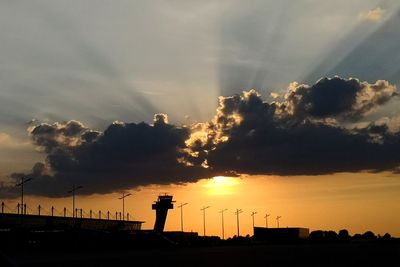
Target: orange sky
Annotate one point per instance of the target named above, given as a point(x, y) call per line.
point(357, 202)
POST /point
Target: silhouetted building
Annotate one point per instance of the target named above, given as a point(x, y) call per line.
point(11, 221)
point(162, 205)
point(281, 234)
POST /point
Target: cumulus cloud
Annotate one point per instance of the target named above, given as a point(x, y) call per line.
point(125, 155)
point(289, 137)
point(58, 135)
point(274, 95)
point(373, 15)
point(392, 123)
point(301, 135)
point(348, 99)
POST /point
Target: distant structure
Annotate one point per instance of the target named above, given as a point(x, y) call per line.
point(21, 184)
point(161, 206)
point(252, 215)
point(223, 224)
point(123, 203)
point(73, 190)
point(42, 222)
point(204, 219)
point(281, 234)
point(266, 219)
point(181, 207)
point(277, 220)
point(237, 212)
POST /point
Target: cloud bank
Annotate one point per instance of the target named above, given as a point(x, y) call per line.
point(311, 130)
point(352, 101)
point(125, 155)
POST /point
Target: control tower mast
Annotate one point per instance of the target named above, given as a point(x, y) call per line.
point(162, 205)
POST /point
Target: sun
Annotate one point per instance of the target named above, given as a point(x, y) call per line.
point(221, 185)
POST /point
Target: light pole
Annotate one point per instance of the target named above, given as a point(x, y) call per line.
point(223, 225)
point(123, 204)
point(74, 188)
point(266, 219)
point(277, 220)
point(181, 207)
point(21, 184)
point(204, 219)
point(252, 215)
point(237, 212)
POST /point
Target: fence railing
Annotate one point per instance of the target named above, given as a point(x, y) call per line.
point(65, 212)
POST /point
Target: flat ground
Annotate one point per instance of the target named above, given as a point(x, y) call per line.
point(352, 254)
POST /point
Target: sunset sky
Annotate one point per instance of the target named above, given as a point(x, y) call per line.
point(289, 108)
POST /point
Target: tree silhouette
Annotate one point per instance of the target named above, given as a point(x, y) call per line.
point(344, 235)
point(369, 236)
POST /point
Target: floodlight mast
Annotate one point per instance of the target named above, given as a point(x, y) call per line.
point(21, 184)
point(181, 207)
point(223, 224)
point(123, 204)
point(237, 212)
point(266, 219)
point(252, 215)
point(204, 219)
point(277, 220)
point(74, 188)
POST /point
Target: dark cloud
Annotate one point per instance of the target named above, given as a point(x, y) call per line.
point(125, 155)
point(251, 136)
point(58, 135)
point(298, 136)
point(304, 149)
point(337, 98)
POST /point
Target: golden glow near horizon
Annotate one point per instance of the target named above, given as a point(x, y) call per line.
point(222, 185)
point(356, 202)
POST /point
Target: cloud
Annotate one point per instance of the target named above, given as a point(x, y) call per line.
point(251, 136)
point(337, 98)
point(274, 95)
point(125, 155)
point(392, 123)
point(304, 149)
point(306, 133)
point(373, 15)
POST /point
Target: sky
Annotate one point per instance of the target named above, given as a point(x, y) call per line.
point(292, 107)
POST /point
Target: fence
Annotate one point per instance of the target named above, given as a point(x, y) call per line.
point(65, 212)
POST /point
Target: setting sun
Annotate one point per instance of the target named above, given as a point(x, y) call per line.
point(222, 185)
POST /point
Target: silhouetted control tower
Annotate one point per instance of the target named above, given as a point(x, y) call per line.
point(162, 205)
